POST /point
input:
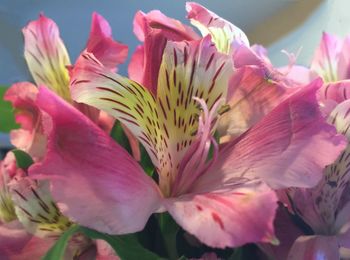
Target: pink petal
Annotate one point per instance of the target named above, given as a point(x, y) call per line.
point(224, 34)
point(227, 217)
point(101, 44)
point(115, 196)
point(46, 55)
point(326, 57)
point(30, 136)
point(280, 149)
point(253, 97)
point(137, 63)
point(344, 60)
point(336, 91)
point(314, 248)
point(17, 244)
point(154, 29)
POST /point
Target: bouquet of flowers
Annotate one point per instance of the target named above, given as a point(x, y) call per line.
point(205, 150)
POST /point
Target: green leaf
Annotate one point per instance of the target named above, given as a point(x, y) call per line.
point(120, 137)
point(59, 248)
point(146, 162)
point(23, 160)
point(126, 246)
point(7, 119)
point(169, 229)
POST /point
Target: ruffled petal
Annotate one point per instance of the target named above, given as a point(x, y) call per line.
point(112, 186)
point(326, 57)
point(46, 55)
point(227, 217)
point(224, 34)
point(30, 136)
point(280, 149)
point(314, 248)
point(109, 52)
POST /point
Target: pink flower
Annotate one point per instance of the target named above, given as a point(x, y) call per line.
point(47, 59)
point(217, 200)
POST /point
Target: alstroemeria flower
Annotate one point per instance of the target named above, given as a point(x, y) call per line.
point(47, 59)
point(218, 200)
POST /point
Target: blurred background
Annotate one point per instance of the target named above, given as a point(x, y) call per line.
point(277, 24)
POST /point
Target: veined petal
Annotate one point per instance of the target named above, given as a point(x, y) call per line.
point(109, 52)
point(227, 217)
point(165, 126)
point(340, 118)
point(36, 209)
point(326, 57)
point(109, 180)
point(188, 70)
point(224, 34)
point(46, 55)
point(253, 97)
point(126, 100)
point(314, 248)
point(154, 29)
point(331, 194)
point(280, 148)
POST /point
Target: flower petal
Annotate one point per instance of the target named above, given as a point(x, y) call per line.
point(228, 217)
point(253, 97)
point(112, 186)
point(46, 55)
point(223, 33)
point(154, 29)
point(340, 118)
point(30, 136)
point(344, 60)
point(280, 148)
point(124, 99)
point(188, 70)
point(109, 52)
point(17, 244)
point(36, 209)
point(314, 248)
point(325, 60)
point(166, 125)
point(335, 91)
